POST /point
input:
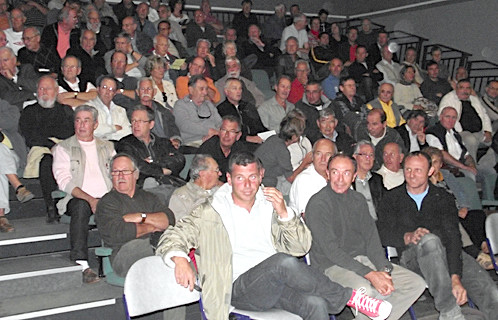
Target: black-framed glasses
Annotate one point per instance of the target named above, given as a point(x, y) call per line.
point(133, 121)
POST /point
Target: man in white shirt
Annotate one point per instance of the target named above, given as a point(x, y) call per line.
point(14, 34)
point(298, 30)
point(388, 67)
point(473, 123)
point(313, 178)
point(113, 124)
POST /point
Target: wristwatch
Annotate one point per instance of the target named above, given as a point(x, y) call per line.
point(144, 216)
point(121, 90)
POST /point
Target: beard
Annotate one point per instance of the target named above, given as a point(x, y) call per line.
point(47, 104)
point(95, 27)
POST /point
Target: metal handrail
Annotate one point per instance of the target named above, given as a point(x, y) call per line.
point(451, 57)
point(481, 72)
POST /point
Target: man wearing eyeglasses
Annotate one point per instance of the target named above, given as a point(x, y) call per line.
point(196, 117)
point(127, 216)
point(158, 160)
point(80, 168)
point(113, 123)
point(226, 143)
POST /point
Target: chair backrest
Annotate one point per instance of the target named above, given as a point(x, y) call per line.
point(186, 169)
point(492, 231)
point(150, 286)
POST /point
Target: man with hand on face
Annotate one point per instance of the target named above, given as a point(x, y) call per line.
point(412, 132)
point(421, 221)
point(256, 272)
point(346, 244)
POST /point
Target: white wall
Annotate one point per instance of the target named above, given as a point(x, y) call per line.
point(468, 26)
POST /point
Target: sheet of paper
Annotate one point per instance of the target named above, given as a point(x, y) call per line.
point(177, 64)
point(265, 135)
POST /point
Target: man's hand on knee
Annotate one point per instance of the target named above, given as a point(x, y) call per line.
point(184, 274)
point(415, 236)
point(381, 281)
point(458, 290)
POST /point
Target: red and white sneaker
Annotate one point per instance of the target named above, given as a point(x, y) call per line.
point(374, 308)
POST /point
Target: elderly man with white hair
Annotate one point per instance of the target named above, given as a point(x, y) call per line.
point(297, 29)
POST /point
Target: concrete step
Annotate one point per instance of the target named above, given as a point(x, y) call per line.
point(86, 301)
point(35, 236)
point(33, 208)
point(38, 274)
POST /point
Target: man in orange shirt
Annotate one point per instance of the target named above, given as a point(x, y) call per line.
point(196, 67)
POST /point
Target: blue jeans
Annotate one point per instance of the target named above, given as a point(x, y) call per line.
point(428, 258)
point(284, 282)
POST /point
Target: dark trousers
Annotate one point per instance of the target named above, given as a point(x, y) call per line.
point(284, 282)
point(47, 180)
point(80, 213)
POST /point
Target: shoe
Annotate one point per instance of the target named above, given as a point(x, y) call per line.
point(484, 261)
point(5, 226)
point(373, 308)
point(89, 276)
point(23, 194)
point(52, 216)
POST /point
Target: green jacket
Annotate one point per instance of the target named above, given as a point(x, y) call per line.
point(203, 230)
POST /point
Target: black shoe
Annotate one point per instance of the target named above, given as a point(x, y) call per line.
point(52, 216)
point(89, 276)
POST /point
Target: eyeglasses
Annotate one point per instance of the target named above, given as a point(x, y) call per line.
point(108, 88)
point(367, 155)
point(223, 131)
point(29, 38)
point(133, 121)
point(115, 173)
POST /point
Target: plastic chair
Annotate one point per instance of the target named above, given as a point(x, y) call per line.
point(186, 168)
point(492, 237)
point(150, 286)
point(105, 269)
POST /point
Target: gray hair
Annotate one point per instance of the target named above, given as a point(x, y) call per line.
point(153, 62)
point(202, 40)
point(150, 113)
point(327, 112)
point(91, 109)
point(159, 36)
point(199, 164)
point(230, 80)
point(301, 61)
point(299, 17)
point(88, 30)
point(123, 35)
point(143, 79)
point(11, 52)
point(230, 59)
point(123, 155)
point(361, 143)
point(69, 57)
point(227, 42)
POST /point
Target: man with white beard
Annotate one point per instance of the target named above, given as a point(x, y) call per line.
point(43, 124)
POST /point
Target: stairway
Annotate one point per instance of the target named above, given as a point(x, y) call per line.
point(37, 279)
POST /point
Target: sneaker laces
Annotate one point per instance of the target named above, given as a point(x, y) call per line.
point(364, 302)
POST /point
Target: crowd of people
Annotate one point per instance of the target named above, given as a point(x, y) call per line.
point(104, 103)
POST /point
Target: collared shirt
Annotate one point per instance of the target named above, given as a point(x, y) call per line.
point(272, 113)
point(247, 251)
point(454, 148)
point(109, 118)
point(363, 187)
point(390, 117)
point(414, 146)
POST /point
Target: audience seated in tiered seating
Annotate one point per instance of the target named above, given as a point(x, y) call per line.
point(385, 102)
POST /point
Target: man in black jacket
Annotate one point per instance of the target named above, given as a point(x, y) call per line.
point(412, 132)
point(421, 221)
point(158, 161)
